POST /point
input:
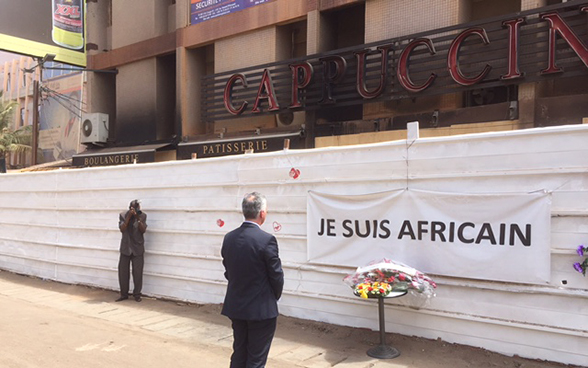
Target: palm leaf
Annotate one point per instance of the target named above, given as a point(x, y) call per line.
point(6, 112)
point(12, 140)
point(19, 148)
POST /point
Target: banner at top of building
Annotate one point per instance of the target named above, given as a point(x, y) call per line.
point(499, 237)
point(37, 28)
point(201, 10)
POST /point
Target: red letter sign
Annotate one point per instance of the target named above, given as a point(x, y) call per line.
point(402, 71)
point(361, 61)
point(299, 83)
point(453, 62)
point(513, 48)
point(331, 77)
point(557, 25)
point(228, 94)
point(266, 83)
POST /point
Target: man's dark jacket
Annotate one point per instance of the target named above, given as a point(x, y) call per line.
point(254, 271)
point(132, 241)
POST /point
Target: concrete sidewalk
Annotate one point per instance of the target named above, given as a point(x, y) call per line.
point(198, 336)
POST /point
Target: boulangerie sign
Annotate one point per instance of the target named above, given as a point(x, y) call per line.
point(502, 237)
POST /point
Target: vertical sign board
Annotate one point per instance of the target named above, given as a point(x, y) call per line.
point(59, 118)
point(40, 27)
point(202, 10)
point(500, 237)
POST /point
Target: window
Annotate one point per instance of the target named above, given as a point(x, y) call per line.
point(291, 40)
point(22, 117)
point(346, 27)
point(480, 9)
point(60, 70)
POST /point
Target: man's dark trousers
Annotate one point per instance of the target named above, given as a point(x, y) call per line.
point(251, 342)
point(124, 271)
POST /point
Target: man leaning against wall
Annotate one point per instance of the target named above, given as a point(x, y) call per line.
point(132, 225)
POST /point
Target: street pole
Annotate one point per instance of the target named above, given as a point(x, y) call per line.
point(35, 132)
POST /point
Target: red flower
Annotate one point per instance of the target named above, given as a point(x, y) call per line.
point(370, 288)
point(382, 291)
point(401, 277)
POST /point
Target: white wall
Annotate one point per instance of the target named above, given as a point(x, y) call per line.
point(62, 225)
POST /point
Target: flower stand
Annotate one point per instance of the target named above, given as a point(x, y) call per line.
point(384, 351)
point(387, 279)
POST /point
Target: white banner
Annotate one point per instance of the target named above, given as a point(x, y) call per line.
point(502, 237)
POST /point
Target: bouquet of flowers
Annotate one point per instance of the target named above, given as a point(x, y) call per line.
point(379, 279)
point(581, 267)
point(372, 289)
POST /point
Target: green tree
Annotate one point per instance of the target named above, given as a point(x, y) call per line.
point(17, 141)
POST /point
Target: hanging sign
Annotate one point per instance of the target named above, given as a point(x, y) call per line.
point(502, 237)
point(226, 147)
point(37, 28)
point(202, 10)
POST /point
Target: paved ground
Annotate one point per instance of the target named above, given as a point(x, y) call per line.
point(45, 324)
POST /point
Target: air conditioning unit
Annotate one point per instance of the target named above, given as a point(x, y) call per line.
point(94, 128)
point(290, 118)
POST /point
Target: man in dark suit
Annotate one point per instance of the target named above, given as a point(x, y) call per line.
point(254, 271)
point(132, 225)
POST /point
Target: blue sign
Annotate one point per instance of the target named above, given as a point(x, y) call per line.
point(202, 10)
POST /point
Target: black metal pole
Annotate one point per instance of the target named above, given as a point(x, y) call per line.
point(381, 316)
point(382, 351)
point(35, 132)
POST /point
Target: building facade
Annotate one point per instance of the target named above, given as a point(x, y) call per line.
point(60, 103)
point(17, 86)
point(208, 78)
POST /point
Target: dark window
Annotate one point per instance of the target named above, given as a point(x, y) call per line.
point(344, 27)
point(291, 40)
point(481, 9)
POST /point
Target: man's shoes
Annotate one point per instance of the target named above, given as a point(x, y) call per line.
point(122, 298)
point(138, 298)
